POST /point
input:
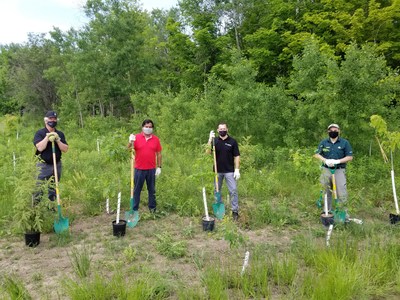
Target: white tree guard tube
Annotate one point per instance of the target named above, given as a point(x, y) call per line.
point(245, 262)
point(394, 193)
point(205, 204)
point(328, 235)
point(118, 207)
point(326, 204)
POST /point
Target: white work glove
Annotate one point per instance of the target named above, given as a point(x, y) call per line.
point(212, 135)
point(330, 162)
point(132, 138)
point(236, 174)
point(336, 161)
point(158, 171)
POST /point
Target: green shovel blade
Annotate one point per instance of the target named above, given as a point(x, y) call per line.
point(219, 210)
point(339, 216)
point(62, 223)
point(132, 216)
point(218, 206)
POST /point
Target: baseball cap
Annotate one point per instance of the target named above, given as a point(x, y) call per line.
point(51, 114)
point(333, 125)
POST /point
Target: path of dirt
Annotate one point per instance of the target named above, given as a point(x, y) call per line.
point(43, 269)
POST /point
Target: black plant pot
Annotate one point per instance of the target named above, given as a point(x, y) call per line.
point(327, 219)
point(394, 218)
point(119, 229)
point(32, 239)
point(208, 225)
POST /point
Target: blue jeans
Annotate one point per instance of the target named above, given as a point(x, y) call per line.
point(140, 177)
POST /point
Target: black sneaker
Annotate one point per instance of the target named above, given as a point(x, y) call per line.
point(153, 210)
point(235, 215)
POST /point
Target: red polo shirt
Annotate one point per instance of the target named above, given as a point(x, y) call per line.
point(145, 151)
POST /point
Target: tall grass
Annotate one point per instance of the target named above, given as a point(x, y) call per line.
point(13, 286)
point(81, 261)
point(149, 285)
point(277, 191)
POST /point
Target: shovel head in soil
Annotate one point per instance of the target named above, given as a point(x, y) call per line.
point(219, 210)
point(339, 216)
point(394, 218)
point(62, 223)
point(132, 218)
point(218, 207)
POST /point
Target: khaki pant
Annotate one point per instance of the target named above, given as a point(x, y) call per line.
point(341, 187)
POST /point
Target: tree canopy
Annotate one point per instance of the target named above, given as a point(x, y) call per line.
point(287, 67)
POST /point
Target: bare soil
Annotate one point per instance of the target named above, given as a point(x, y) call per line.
point(44, 268)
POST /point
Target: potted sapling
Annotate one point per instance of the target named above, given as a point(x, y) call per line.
point(29, 216)
point(30, 206)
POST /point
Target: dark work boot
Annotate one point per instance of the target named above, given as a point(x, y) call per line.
point(235, 215)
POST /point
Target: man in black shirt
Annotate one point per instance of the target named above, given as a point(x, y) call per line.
point(42, 141)
point(228, 160)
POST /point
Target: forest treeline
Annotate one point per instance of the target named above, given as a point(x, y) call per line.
point(276, 71)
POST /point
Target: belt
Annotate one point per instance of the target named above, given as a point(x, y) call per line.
point(333, 168)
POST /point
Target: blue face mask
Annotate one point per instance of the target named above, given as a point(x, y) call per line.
point(52, 124)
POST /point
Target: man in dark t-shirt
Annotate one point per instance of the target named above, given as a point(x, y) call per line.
point(228, 161)
point(42, 141)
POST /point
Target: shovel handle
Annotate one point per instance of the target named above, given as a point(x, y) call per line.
point(334, 191)
point(132, 171)
point(215, 167)
point(53, 148)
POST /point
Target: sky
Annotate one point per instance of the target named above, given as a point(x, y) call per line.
point(20, 17)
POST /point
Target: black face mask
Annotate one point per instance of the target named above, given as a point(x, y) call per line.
point(333, 134)
point(52, 124)
point(222, 133)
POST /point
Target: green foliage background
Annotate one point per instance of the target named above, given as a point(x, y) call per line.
point(278, 72)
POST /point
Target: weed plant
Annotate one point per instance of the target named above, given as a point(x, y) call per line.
point(81, 261)
point(167, 246)
point(147, 286)
point(230, 231)
point(13, 286)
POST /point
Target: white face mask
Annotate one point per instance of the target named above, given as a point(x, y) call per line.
point(147, 130)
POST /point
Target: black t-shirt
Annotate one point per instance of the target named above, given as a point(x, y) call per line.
point(226, 150)
point(47, 154)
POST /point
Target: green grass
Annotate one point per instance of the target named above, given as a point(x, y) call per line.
point(13, 286)
point(168, 256)
point(81, 261)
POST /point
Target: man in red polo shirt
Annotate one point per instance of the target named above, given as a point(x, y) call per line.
point(148, 159)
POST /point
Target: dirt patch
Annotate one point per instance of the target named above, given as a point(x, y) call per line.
point(44, 268)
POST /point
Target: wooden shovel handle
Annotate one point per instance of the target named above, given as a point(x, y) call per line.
point(55, 172)
point(132, 170)
point(215, 166)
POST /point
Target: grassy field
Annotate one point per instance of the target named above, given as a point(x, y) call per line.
point(168, 255)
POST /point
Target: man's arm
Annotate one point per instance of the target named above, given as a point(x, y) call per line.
point(320, 157)
point(159, 159)
point(40, 146)
point(63, 147)
point(345, 159)
point(237, 162)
